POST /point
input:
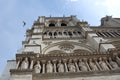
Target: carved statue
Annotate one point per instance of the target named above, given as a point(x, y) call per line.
point(71, 66)
point(60, 66)
point(103, 64)
point(118, 60)
point(82, 65)
point(49, 67)
point(37, 67)
point(113, 64)
point(25, 63)
point(92, 65)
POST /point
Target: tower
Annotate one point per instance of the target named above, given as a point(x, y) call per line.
point(67, 48)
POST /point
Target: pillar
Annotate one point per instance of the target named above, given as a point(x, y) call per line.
point(54, 66)
point(77, 68)
point(105, 59)
point(18, 63)
point(43, 66)
point(85, 61)
point(95, 60)
point(31, 65)
point(65, 63)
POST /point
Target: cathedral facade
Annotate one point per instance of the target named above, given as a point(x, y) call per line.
point(66, 48)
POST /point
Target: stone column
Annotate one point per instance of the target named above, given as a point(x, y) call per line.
point(105, 59)
point(43, 66)
point(95, 60)
point(54, 66)
point(85, 61)
point(65, 63)
point(77, 68)
point(31, 65)
point(18, 63)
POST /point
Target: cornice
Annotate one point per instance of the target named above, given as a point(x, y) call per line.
point(61, 56)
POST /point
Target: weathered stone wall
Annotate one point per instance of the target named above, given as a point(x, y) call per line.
point(113, 77)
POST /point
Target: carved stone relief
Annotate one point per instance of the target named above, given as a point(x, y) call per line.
point(37, 67)
point(49, 67)
point(67, 47)
point(102, 64)
point(25, 64)
point(60, 66)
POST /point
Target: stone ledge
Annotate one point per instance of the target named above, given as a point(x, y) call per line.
point(76, 74)
point(21, 71)
point(64, 75)
point(83, 54)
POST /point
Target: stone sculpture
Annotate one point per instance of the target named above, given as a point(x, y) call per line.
point(49, 67)
point(71, 66)
point(92, 65)
point(25, 63)
point(37, 67)
point(82, 65)
point(113, 64)
point(60, 67)
point(118, 60)
point(103, 64)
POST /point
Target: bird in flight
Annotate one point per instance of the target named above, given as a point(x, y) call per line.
point(24, 23)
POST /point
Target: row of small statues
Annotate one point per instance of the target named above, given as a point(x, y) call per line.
point(72, 66)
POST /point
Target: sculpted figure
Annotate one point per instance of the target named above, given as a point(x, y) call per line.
point(60, 67)
point(25, 63)
point(71, 66)
point(118, 60)
point(82, 65)
point(113, 64)
point(49, 67)
point(37, 67)
point(92, 65)
point(103, 64)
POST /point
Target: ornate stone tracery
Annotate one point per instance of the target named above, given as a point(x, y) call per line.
point(66, 47)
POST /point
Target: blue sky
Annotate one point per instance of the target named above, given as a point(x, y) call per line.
point(13, 12)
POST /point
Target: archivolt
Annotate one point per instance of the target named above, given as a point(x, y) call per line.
point(69, 42)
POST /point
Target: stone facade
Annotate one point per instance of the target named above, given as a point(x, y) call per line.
point(65, 48)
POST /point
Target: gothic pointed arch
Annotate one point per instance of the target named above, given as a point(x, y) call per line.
point(52, 23)
point(63, 23)
point(68, 47)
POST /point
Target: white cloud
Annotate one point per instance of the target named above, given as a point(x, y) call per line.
point(112, 6)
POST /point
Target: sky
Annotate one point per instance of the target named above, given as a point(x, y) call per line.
point(14, 12)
